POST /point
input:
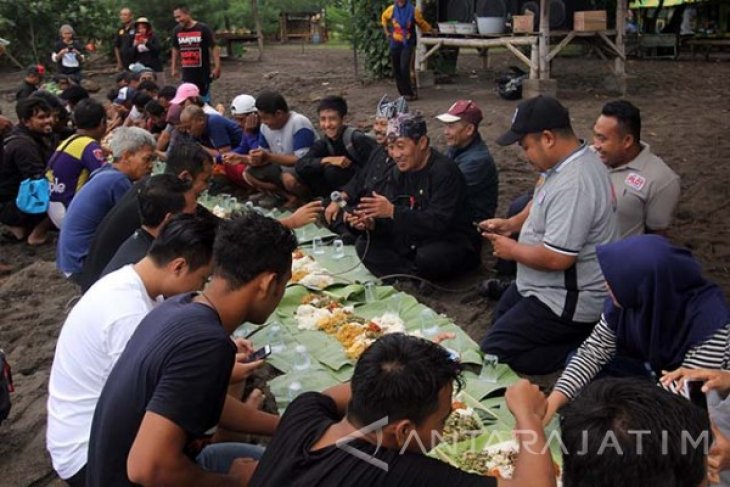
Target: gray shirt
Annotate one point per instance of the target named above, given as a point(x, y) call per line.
point(573, 210)
point(647, 191)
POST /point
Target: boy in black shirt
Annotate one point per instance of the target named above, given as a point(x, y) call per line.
point(33, 78)
point(169, 386)
point(373, 431)
point(333, 160)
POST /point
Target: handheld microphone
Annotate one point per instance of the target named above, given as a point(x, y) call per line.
point(337, 197)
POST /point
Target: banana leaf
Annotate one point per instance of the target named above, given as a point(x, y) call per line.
point(478, 387)
point(325, 348)
point(313, 380)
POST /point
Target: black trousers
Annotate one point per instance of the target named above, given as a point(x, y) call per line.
point(322, 181)
point(400, 57)
point(79, 479)
point(529, 337)
point(439, 259)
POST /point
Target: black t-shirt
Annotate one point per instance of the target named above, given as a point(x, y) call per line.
point(177, 364)
point(194, 44)
point(289, 461)
point(124, 41)
point(116, 227)
point(131, 251)
point(25, 90)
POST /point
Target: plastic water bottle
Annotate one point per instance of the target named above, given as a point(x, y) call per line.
point(369, 292)
point(276, 341)
point(338, 249)
point(294, 389)
point(429, 326)
point(302, 361)
point(317, 246)
point(489, 368)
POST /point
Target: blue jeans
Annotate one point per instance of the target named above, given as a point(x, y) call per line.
point(218, 457)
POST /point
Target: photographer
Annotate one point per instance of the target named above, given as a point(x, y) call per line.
point(67, 53)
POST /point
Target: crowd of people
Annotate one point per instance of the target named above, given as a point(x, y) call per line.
point(145, 367)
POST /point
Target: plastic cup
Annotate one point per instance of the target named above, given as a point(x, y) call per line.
point(317, 246)
point(338, 249)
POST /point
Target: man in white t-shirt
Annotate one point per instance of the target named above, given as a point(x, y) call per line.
point(98, 327)
point(285, 137)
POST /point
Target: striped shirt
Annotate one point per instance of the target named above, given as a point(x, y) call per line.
point(600, 347)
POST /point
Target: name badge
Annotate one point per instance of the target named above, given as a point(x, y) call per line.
point(635, 181)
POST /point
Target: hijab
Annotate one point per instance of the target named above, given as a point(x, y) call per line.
point(666, 306)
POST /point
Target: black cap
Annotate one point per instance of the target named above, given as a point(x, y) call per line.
point(535, 115)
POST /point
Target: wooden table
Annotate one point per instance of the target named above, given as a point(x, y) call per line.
point(707, 43)
point(231, 38)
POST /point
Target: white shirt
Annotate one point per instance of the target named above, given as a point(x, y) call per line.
point(92, 338)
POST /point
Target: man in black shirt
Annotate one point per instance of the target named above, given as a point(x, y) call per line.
point(33, 78)
point(333, 160)
point(194, 42)
point(27, 150)
point(186, 161)
point(169, 386)
point(420, 225)
point(160, 197)
point(374, 430)
point(124, 40)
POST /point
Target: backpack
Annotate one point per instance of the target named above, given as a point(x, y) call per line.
point(347, 137)
point(6, 387)
point(509, 85)
point(34, 194)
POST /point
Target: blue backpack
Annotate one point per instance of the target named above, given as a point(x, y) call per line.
point(34, 194)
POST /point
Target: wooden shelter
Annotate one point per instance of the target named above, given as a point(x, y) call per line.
point(244, 37)
point(544, 45)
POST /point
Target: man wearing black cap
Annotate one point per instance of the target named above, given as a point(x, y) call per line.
point(468, 150)
point(420, 225)
point(33, 78)
point(559, 292)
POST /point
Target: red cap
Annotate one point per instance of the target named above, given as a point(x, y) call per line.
point(465, 110)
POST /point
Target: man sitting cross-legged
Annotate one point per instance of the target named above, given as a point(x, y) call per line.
point(334, 159)
point(144, 430)
point(99, 326)
point(377, 429)
point(285, 137)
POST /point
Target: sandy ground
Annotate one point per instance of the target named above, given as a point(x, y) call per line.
point(685, 109)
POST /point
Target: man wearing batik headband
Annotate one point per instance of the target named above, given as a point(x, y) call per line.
point(373, 174)
point(419, 224)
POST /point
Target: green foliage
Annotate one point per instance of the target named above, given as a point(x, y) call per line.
point(31, 26)
point(368, 35)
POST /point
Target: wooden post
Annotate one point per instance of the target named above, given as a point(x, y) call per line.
point(259, 29)
point(544, 40)
point(620, 63)
point(420, 48)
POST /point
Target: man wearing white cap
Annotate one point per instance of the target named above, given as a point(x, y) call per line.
point(243, 110)
point(467, 149)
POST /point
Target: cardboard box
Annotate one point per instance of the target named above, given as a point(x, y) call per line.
point(589, 21)
point(522, 24)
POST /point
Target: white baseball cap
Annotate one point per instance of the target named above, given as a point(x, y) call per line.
point(243, 105)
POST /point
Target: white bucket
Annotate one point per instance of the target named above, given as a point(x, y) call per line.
point(490, 25)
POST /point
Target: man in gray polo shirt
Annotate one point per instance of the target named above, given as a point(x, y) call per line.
point(646, 188)
point(559, 292)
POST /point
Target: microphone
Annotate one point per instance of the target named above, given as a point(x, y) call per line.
point(339, 198)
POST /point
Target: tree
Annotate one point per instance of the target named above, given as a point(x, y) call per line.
point(368, 35)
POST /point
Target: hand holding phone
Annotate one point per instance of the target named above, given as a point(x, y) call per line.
point(259, 354)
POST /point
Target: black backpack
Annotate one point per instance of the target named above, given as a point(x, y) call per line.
point(347, 137)
point(6, 387)
point(509, 85)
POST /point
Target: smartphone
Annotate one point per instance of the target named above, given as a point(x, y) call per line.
point(693, 391)
point(260, 354)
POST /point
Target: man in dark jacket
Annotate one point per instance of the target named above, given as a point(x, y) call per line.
point(468, 150)
point(333, 160)
point(27, 150)
point(420, 225)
